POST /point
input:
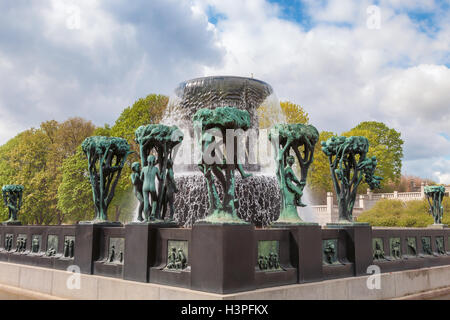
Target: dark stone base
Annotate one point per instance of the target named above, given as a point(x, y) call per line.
point(334, 271)
point(179, 278)
point(106, 269)
point(265, 279)
point(306, 252)
point(222, 258)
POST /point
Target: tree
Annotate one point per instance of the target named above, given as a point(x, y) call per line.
point(349, 165)
point(33, 158)
point(75, 190)
point(386, 145)
point(294, 113)
point(319, 178)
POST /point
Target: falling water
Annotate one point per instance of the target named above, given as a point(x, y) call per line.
point(258, 196)
point(307, 213)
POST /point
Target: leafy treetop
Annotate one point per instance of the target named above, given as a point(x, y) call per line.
point(222, 117)
point(158, 134)
point(100, 144)
point(12, 188)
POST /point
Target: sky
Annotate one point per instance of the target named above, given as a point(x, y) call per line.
point(344, 61)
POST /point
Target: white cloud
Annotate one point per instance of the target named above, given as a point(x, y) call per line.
point(119, 52)
point(124, 50)
point(343, 76)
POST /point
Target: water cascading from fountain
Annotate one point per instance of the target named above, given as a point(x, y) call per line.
point(259, 195)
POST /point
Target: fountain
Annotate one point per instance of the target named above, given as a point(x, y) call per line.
point(258, 196)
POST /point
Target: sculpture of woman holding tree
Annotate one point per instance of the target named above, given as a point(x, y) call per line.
point(300, 140)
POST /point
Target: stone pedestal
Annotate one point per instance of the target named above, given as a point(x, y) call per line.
point(222, 258)
point(306, 252)
point(437, 226)
point(359, 246)
point(140, 249)
point(87, 244)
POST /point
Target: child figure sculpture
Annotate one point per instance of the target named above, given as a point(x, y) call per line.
point(148, 176)
point(171, 189)
point(137, 187)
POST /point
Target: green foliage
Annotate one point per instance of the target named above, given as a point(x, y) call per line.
point(293, 113)
point(33, 158)
point(74, 192)
point(396, 213)
point(148, 110)
point(319, 178)
point(386, 145)
point(158, 134)
point(99, 145)
point(296, 132)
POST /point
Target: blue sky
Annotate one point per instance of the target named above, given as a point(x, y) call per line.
point(63, 58)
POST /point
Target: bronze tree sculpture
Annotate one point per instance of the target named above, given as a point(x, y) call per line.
point(299, 139)
point(12, 197)
point(215, 164)
point(106, 158)
point(434, 196)
point(159, 140)
point(349, 165)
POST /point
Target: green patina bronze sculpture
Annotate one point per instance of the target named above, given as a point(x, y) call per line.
point(411, 246)
point(162, 141)
point(12, 197)
point(300, 139)
point(440, 245)
point(176, 260)
point(215, 165)
point(8, 242)
point(106, 157)
point(377, 247)
point(349, 165)
point(426, 245)
point(395, 246)
point(330, 251)
point(434, 196)
point(137, 188)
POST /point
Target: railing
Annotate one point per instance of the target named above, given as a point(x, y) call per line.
point(400, 196)
point(410, 195)
point(319, 208)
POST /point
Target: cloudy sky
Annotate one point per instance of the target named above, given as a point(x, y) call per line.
point(345, 61)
